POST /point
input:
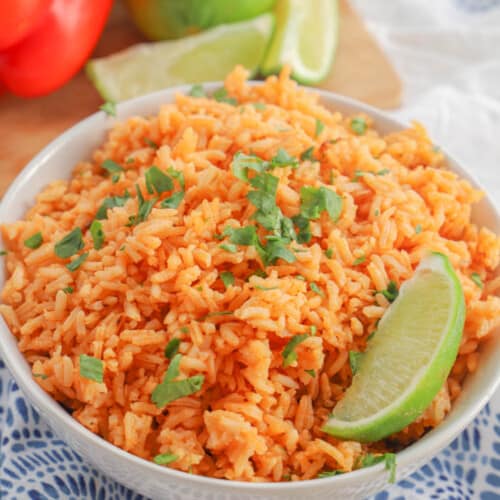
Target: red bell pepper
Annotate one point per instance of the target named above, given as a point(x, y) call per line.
point(58, 44)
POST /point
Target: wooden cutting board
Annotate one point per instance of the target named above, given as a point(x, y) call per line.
point(361, 70)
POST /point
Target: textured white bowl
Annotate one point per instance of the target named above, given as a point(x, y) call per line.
point(56, 161)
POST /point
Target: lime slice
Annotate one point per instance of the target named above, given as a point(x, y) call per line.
point(162, 19)
point(408, 359)
point(306, 38)
point(199, 58)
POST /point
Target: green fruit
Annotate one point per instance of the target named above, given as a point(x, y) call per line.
point(208, 56)
point(167, 19)
point(305, 38)
point(409, 358)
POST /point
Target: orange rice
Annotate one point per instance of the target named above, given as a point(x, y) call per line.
point(253, 419)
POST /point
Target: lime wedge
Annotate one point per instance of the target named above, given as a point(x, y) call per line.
point(306, 38)
point(408, 359)
point(199, 58)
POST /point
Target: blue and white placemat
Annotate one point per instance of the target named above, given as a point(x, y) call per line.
point(35, 464)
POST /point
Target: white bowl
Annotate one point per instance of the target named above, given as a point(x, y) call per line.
point(56, 161)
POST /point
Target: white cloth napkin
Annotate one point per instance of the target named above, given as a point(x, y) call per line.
point(447, 53)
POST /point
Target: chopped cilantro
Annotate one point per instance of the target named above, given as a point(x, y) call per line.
point(170, 390)
point(109, 107)
point(165, 458)
point(179, 176)
point(75, 264)
point(266, 288)
point(34, 241)
point(283, 159)
point(144, 210)
point(318, 128)
point(70, 244)
point(150, 143)
point(311, 373)
point(68, 290)
point(476, 279)
point(227, 278)
point(260, 106)
point(111, 202)
point(243, 163)
point(289, 355)
point(229, 247)
point(315, 200)
point(359, 260)
point(130, 159)
point(172, 348)
point(112, 168)
point(391, 292)
point(314, 329)
point(316, 289)
point(418, 228)
point(390, 463)
point(329, 473)
point(97, 234)
point(304, 226)
point(3, 252)
point(197, 91)
point(221, 95)
point(384, 171)
point(40, 375)
point(376, 212)
point(158, 180)
point(184, 329)
point(354, 359)
point(308, 154)
point(300, 277)
point(245, 236)
point(358, 126)
point(216, 313)
point(91, 368)
point(173, 201)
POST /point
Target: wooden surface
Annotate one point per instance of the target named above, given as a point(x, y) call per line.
point(360, 70)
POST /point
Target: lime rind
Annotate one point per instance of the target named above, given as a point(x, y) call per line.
point(426, 382)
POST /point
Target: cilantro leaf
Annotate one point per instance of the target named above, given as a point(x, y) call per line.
point(68, 290)
point(245, 236)
point(390, 463)
point(308, 154)
point(229, 247)
point(275, 250)
point(304, 226)
point(197, 91)
point(313, 201)
point(97, 234)
point(329, 473)
point(157, 179)
point(112, 167)
point(289, 355)
point(354, 359)
point(391, 292)
point(173, 201)
point(144, 210)
point(242, 163)
point(75, 264)
point(318, 128)
point(329, 253)
point(70, 244)
point(358, 126)
point(311, 373)
point(179, 176)
point(260, 106)
point(109, 107)
point(359, 260)
point(172, 348)
point(165, 458)
point(418, 228)
point(221, 95)
point(227, 278)
point(476, 278)
point(111, 202)
point(91, 368)
point(283, 159)
point(34, 241)
point(266, 183)
point(150, 143)
point(316, 289)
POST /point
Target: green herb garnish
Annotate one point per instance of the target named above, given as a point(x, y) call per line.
point(113, 168)
point(70, 244)
point(68, 290)
point(221, 95)
point(227, 278)
point(97, 234)
point(308, 154)
point(313, 201)
point(170, 390)
point(318, 128)
point(477, 279)
point(158, 180)
point(311, 373)
point(145, 207)
point(329, 473)
point(390, 463)
point(197, 91)
point(150, 143)
point(243, 163)
point(91, 368)
point(109, 107)
point(111, 202)
point(391, 292)
point(184, 329)
point(359, 260)
point(172, 348)
point(229, 247)
point(354, 359)
point(40, 375)
point(3, 252)
point(179, 176)
point(329, 253)
point(289, 355)
point(316, 289)
point(75, 264)
point(259, 106)
point(418, 228)
point(358, 126)
point(165, 458)
point(303, 224)
point(314, 329)
point(283, 159)
point(173, 201)
point(34, 241)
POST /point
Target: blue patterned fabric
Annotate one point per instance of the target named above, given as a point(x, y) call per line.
point(35, 464)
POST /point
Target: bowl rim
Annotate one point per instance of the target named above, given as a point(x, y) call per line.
point(432, 442)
